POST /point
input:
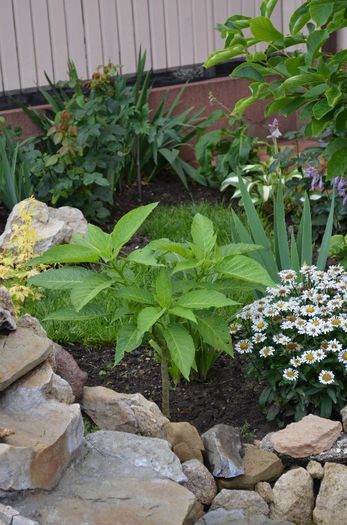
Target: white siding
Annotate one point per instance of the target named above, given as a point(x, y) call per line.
point(38, 36)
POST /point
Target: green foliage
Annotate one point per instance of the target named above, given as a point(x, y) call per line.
point(166, 293)
point(104, 135)
point(309, 80)
point(287, 251)
point(338, 248)
point(15, 166)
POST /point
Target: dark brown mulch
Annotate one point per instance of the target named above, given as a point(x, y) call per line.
point(227, 396)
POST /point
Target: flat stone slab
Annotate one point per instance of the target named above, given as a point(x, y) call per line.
point(115, 482)
point(20, 352)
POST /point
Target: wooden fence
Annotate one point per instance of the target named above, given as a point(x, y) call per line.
point(41, 35)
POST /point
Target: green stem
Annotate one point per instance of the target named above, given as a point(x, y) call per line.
point(165, 381)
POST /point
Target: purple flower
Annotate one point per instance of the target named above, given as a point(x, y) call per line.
point(340, 183)
point(317, 179)
point(274, 130)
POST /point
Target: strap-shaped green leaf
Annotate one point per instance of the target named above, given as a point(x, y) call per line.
point(324, 247)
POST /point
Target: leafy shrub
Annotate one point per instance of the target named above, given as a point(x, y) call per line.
point(311, 81)
point(15, 166)
point(296, 341)
point(338, 248)
point(105, 135)
point(167, 293)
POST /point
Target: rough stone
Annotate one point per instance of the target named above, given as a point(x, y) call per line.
point(7, 321)
point(52, 226)
point(67, 368)
point(185, 440)
point(5, 432)
point(119, 478)
point(132, 413)
point(6, 300)
point(293, 497)
point(310, 436)
point(28, 321)
point(331, 503)
point(315, 470)
point(249, 502)
point(7, 513)
point(20, 352)
point(344, 418)
point(223, 451)
point(200, 481)
point(265, 491)
point(259, 465)
point(237, 517)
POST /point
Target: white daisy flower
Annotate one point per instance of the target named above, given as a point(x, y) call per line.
point(281, 339)
point(288, 276)
point(310, 310)
point(342, 357)
point(333, 346)
point(259, 325)
point(244, 346)
point(320, 355)
point(267, 351)
point(326, 377)
point(309, 357)
point(258, 338)
point(290, 374)
point(234, 328)
point(295, 361)
point(335, 322)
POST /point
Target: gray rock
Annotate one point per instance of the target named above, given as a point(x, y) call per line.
point(52, 226)
point(7, 513)
point(331, 502)
point(21, 520)
point(249, 502)
point(344, 418)
point(315, 470)
point(237, 517)
point(118, 479)
point(6, 300)
point(7, 321)
point(200, 481)
point(223, 451)
point(28, 321)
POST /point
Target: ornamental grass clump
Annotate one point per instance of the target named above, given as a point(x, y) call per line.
point(296, 341)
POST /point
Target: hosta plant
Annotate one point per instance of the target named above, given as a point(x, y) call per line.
point(166, 294)
point(296, 341)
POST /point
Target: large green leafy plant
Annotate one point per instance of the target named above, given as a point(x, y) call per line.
point(166, 293)
point(307, 78)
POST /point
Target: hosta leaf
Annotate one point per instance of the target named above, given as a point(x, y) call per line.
point(181, 347)
point(61, 278)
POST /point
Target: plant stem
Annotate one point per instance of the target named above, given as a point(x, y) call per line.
point(138, 168)
point(165, 382)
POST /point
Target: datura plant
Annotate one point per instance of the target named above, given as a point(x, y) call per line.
point(307, 78)
point(166, 294)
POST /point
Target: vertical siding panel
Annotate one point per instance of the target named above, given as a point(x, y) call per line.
point(186, 33)
point(158, 37)
point(234, 7)
point(58, 38)
point(172, 31)
point(200, 27)
point(8, 49)
point(143, 29)
point(126, 36)
point(42, 41)
point(25, 43)
point(220, 10)
point(91, 17)
point(75, 35)
point(211, 27)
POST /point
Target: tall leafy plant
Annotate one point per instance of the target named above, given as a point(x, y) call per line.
point(307, 79)
point(167, 294)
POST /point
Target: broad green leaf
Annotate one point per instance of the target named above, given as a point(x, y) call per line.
point(91, 311)
point(239, 248)
point(129, 224)
point(136, 295)
point(203, 233)
point(242, 104)
point(320, 109)
point(173, 247)
point(147, 318)
point(66, 253)
point(163, 287)
point(299, 18)
point(143, 256)
point(324, 247)
point(321, 12)
point(181, 348)
point(96, 240)
point(201, 299)
point(337, 165)
point(61, 278)
point(128, 339)
point(89, 288)
point(267, 7)
point(263, 29)
point(244, 269)
point(191, 264)
point(315, 41)
point(215, 332)
point(185, 313)
point(301, 81)
point(223, 55)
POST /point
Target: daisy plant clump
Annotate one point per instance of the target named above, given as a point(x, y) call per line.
point(296, 340)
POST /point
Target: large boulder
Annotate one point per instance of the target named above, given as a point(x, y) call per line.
point(52, 226)
point(47, 433)
point(247, 501)
point(223, 451)
point(200, 481)
point(293, 497)
point(132, 413)
point(310, 436)
point(237, 517)
point(119, 478)
point(20, 352)
point(259, 465)
point(331, 503)
point(7, 311)
point(185, 440)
